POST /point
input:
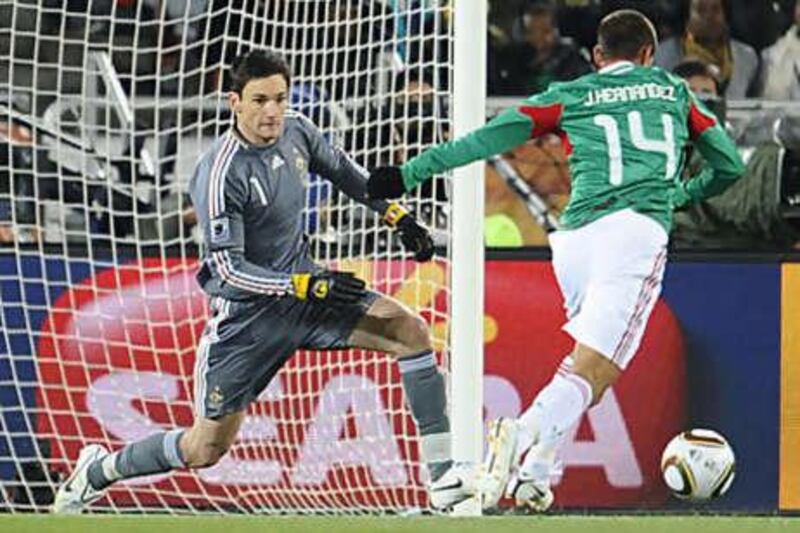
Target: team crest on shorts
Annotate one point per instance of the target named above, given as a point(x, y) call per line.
point(215, 397)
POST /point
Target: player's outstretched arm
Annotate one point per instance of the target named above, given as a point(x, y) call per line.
point(719, 151)
point(509, 129)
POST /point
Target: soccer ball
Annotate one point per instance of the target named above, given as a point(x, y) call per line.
point(698, 465)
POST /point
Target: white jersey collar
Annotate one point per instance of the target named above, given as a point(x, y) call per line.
point(616, 66)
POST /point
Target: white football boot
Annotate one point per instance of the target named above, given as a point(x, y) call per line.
point(530, 485)
point(76, 492)
point(455, 486)
point(501, 461)
point(530, 495)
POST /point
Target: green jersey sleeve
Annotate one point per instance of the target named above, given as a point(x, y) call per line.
point(514, 126)
point(719, 151)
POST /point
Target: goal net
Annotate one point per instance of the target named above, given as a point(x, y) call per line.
point(106, 105)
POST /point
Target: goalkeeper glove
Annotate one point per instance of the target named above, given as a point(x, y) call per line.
point(386, 182)
point(415, 238)
point(334, 288)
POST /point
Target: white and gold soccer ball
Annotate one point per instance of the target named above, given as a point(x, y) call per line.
point(698, 465)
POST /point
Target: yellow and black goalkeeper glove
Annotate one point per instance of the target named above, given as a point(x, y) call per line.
point(385, 182)
point(335, 288)
point(415, 238)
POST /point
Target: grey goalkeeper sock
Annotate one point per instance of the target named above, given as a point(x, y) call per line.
point(155, 454)
point(425, 391)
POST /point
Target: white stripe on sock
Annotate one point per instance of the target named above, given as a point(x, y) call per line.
point(416, 362)
point(435, 447)
point(109, 464)
point(171, 448)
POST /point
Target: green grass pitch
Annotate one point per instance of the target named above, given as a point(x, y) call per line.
point(264, 524)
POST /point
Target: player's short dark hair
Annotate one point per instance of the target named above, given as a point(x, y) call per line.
point(258, 64)
point(542, 9)
point(694, 67)
point(623, 33)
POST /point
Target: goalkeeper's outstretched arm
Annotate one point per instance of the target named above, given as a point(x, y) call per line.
point(350, 178)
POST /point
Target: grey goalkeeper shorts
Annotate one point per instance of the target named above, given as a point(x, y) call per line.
point(244, 345)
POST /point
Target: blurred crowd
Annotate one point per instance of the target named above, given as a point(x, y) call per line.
point(753, 47)
point(365, 76)
point(728, 50)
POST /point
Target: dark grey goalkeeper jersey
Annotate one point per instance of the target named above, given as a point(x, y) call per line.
point(249, 203)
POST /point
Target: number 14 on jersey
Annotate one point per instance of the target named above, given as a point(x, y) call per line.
point(665, 145)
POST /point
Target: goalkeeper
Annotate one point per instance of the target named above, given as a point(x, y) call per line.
point(268, 298)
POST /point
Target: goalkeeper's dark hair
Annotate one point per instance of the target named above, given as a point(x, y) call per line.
point(623, 33)
point(258, 64)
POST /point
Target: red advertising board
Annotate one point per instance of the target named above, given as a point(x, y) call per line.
point(116, 357)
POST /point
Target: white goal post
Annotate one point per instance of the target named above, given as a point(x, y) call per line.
point(466, 365)
point(105, 106)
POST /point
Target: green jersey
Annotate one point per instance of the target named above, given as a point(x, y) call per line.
point(624, 128)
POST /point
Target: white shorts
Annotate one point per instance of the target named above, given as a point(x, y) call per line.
point(610, 274)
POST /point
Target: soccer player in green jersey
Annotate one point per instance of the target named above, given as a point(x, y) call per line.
point(625, 128)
